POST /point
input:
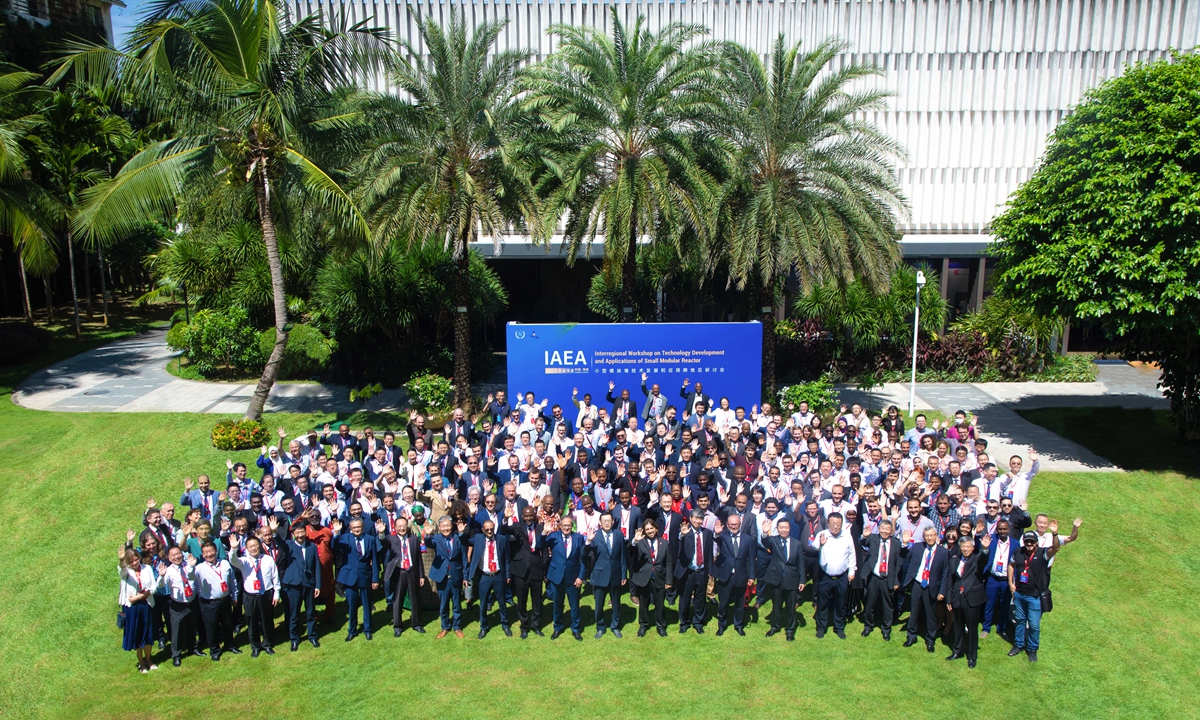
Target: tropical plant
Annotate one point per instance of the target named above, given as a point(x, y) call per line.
point(446, 168)
point(245, 92)
point(1001, 317)
point(820, 395)
point(308, 352)
point(813, 185)
point(220, 341)
point(1108, 227)
point(428, 393)
point(618, 117)
point(239, 435)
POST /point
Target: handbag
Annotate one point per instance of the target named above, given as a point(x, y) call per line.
point(121, 619)
point(1047, 602)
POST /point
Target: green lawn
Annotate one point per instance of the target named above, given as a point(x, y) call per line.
point(1121, 643)
point(1133, 439)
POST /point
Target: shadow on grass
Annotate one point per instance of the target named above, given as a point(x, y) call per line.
point(1135, 439)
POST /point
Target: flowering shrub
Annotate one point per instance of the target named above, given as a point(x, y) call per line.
point(819, 394)
point(239, 435)
point(429, 393)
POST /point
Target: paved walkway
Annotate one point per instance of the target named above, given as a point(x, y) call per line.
point(130, 376)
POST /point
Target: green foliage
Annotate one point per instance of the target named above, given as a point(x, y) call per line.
point(177, 336)
point(1003, 318)
point(819, 394)
point(221, 342)
point(307, 354)
point(239, 435)
point(365, 393)
point(1068, 368)
point(429, 393)
point(1108, 228)
point(858, 319)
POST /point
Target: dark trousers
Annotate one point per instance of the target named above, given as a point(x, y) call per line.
point(491, 587)
point(529, 602)
point(405, 583)
point(728, 595)
point(259, 622)
point(183, 631)
point(783, 608)
point(966, 630)
point(613, 593)
point(565, 589)
point(878, 604)
point(357, 597)
point(995, 612)
point(693, 598)
point(217, 616)
point(160, 616)
point(450, 603)
point(831, 601)
point(924, 607)
point(296, 599)
point(651, 593)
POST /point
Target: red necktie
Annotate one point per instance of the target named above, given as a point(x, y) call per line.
point(883, 553)
point(531, 547)
point(405, 563)
point(492, 556)
point(699, 550)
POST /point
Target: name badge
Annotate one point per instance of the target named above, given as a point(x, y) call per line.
point(224, 587)
point(187, 591)
point(1024, 576)
point(257, 584)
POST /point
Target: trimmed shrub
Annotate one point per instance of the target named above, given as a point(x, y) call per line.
point(819, 394)
point(308, 351)
point(221, 341)
point(429, 393)
point(239, 435)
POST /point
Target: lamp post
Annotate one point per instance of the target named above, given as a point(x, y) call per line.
point(912, 385)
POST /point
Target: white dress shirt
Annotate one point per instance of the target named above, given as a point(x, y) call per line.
point(266, 566)
point(215, 581)
point(174, 579)
point(130, 584)
point(837, 554)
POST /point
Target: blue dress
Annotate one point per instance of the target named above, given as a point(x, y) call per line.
point(138, 631)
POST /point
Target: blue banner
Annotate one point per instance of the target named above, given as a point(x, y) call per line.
point(551, 360)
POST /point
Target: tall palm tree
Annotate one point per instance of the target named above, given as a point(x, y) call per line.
point(620, 109)
point(247, 94)
point(449, 167)
point(75, 138)
point(812, 187)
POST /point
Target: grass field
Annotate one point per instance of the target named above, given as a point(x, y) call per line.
point(1122, 641)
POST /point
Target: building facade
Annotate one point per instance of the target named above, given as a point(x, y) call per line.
point(977, 85)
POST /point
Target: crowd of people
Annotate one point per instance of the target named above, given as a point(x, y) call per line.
point(713, 510)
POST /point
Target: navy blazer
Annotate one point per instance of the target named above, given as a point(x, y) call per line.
point(939, 568)
point(686, 550)
point(449, 558)
point(358, 569)
point(563, 567)
point(789, 573)
point(479, 550)
point(608, 567)
point(635, 519)
point(736, 568)
point(303, 567)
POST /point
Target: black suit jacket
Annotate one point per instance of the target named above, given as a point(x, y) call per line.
point(303, 567)
point(939, 568)
point(872, 543)
point(789, 573)
point(969, 586)
point(395, 544)
point(644, 571)
point(735, 568)
point(616, 406)
point(528, 563)
point(686, 551)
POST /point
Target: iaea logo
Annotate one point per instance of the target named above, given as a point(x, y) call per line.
point(520, 334)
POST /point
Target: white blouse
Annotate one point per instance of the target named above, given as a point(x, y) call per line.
point(130, 584)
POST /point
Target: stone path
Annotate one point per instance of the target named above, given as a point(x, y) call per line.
point(129, 376)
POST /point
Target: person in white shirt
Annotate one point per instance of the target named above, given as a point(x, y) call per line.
point(217, 590)
point(838, 562)
point(1046, 538)
point(1015, 483)
point(801, 417)
point(259, 576)
point(136, 599)
point(180, 580)
point(534, 490)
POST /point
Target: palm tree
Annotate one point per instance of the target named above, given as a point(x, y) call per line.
point(448, 169)
point(20, 215)
point(619, 111)
point(75, 138)
point(247, 94)
point(812, 186)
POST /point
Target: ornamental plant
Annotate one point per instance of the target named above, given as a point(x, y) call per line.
point(239, 435)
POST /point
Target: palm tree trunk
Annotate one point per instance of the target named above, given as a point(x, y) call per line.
point(87, 285)
point(768, 350)
point(74, 291)
point(271, 370)
point(103, 287)
point(629, 280)
point(24, 284)
point(49, 299)
point(462, 327)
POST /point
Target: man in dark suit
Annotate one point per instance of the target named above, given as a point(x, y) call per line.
point(490, 564)
point(693, 566)
point(448, 572)
point(691, 399)
point(733, 569)
point(928, 575)
point(651, 558)
point(627, 518)
point(528, 568)
point(881, 570)
point(342, 440)
point(458, 425)
point(405, 572)
point(607, 574)
point(669, 523)
point(968, 579)
point(301, 580)
point(358, 556)
point(784, 578)
point(623, 408)
point(565, 575)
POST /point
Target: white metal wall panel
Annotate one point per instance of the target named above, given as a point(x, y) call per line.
point(978, 84)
